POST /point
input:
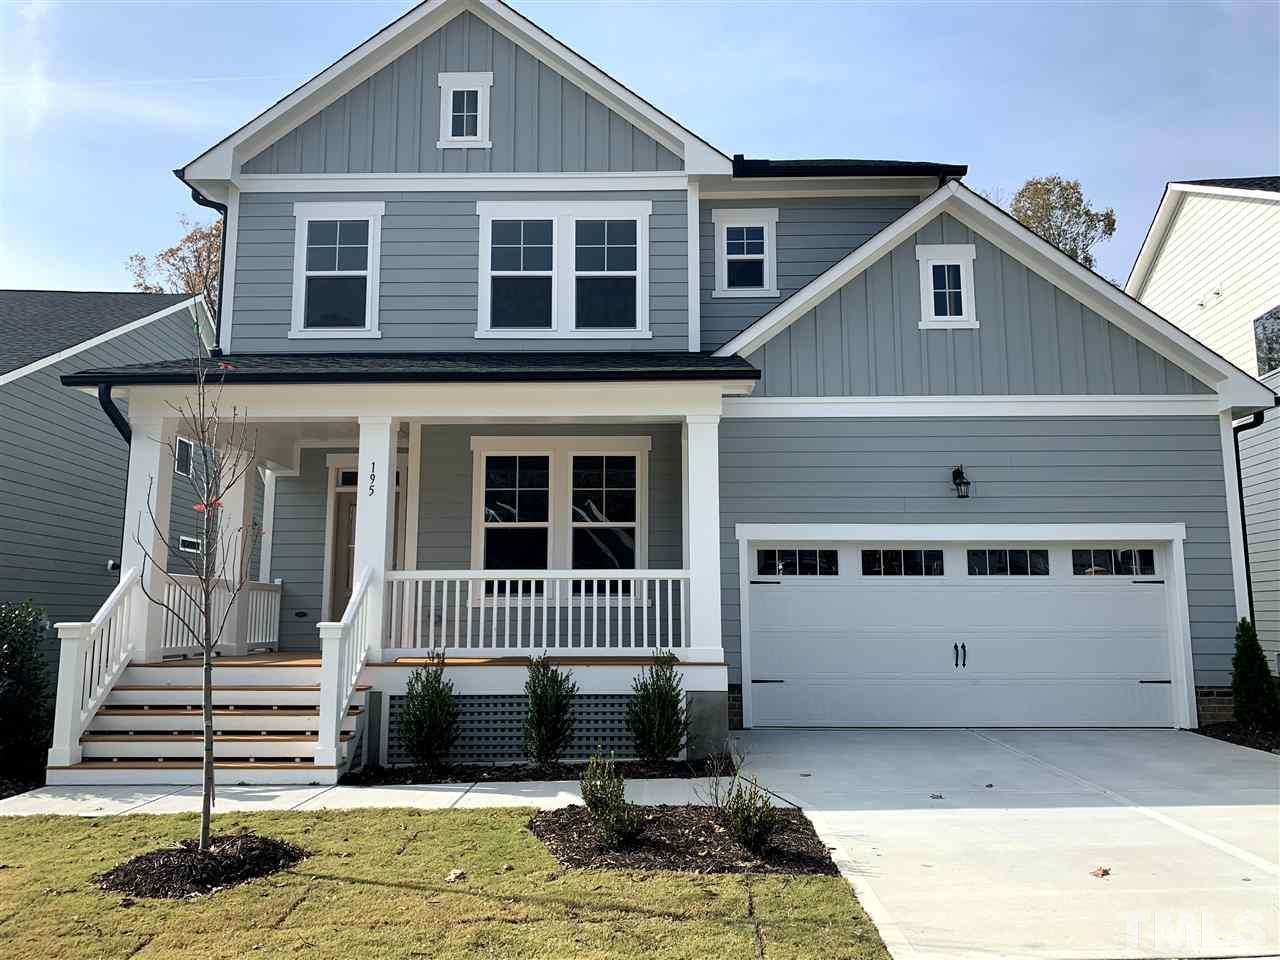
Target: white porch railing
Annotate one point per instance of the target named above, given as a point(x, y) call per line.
point(259, 628)
point(92, 657)
point(262, 614)
point(344, 650)
point(597, 612)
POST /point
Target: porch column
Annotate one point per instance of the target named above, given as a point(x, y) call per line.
point(375, 517)
point(150, 467)
point(701, 437)
point(235, 533)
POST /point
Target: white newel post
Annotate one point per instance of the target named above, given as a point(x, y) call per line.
point(150, 467)
point(375, 518)
point(702, 535)
point(65, 748)
point(235, 520)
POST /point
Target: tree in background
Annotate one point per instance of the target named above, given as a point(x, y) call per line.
point(189, 266)
point(1057, 210)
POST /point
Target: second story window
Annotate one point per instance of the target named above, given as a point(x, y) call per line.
point(573, 269)
point(1266, 337)
point(946, 286)
point(746, 253)
point(464, 110)
point(336, 254)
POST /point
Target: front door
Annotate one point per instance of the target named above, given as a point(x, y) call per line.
point(344, 550)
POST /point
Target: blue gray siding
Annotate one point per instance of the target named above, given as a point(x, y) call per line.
point(62, 487)
point(1260, 471)
point(539, 121)
point(430, 274)
point(813, 234)
point(864, 339)
point(1027, 470)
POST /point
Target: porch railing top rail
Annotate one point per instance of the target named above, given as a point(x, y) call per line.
point(537, 574)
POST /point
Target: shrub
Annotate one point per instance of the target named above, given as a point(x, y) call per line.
point(656, 713)
point(1253, 692)
point(741, 804)
point(604, 793)
point(548, 726)
point(25, 709)
point(430, 718)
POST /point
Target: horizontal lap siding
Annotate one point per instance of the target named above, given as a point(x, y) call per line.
point(1260, 473)
point(539, 122)
point(864, 339)
point(430, 273)
point(62, 488)
point(814, 233)
point(1025, 470)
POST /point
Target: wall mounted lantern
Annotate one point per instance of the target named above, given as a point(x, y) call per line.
point(960, 482)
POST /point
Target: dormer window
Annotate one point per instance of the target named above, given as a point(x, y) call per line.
point(946, 286)
point(335, 270)
point(746, 253)
point(464, 110)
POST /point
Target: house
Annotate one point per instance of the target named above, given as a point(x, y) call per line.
point(62, 492)
point(1209, 265)
point(536, 368)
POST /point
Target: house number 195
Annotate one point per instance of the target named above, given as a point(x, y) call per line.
point(373, 475)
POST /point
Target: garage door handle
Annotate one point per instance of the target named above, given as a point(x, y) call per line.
point(768, 681)
point(964, 656)
point(955, 648)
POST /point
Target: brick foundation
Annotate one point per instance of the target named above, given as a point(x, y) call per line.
point(735, 706)
point(1213, 704)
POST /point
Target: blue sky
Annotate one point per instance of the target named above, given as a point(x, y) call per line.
point(99, 101)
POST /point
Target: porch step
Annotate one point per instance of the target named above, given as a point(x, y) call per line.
point(188, 772)
point(190, 718)
point(161, 747)
point(230, 672)
point(265, 695)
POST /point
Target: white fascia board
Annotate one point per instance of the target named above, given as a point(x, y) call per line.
point(222, 161)
point(1083, 405)
point(478, 182)
point(964, 532)
point(196, 304)
point(1236, 193)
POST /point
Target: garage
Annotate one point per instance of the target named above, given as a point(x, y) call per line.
point(987, 627)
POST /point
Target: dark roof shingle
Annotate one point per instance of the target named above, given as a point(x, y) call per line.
point(35, 324)
point(510, 366)
point(1269, 184)
point(744, 167)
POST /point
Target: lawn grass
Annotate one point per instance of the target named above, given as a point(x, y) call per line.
point(375, 888)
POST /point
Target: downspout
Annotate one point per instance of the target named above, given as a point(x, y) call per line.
point(113, 412)
point(221, 208)
point(1253, 422)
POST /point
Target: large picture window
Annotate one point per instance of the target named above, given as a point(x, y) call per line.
point(336, 259)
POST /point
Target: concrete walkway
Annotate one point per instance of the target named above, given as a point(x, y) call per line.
point(114, 800)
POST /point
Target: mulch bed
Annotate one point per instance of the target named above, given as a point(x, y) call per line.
point(527, 772)
point(1243, 736)
point(183, 871)
point(687, 838)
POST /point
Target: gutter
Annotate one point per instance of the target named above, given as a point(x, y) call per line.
point(113, 413)
point(221, 208)
point(1253, 423)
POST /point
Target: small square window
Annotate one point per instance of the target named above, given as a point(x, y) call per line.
point(190, 544)
point(946, 285)
point(767, 563)
point(746, 258)
point(464, 110)
point(183, 451)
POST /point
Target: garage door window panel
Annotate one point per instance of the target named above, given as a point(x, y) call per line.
point(1113, 562)
point(798, 562)
point(902, 563)
point(1011, 561)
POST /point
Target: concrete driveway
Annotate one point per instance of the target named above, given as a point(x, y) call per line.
point(981, 843)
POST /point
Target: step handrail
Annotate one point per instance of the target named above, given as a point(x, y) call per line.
point(344, 648)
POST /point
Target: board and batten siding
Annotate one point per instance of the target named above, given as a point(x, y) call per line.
point(539, 122)
point(1024, 470)
point(814, 233)
point(1260, 476)
point(864, 339)
point(1217, 270)
point(63, 484)
point(430, 270)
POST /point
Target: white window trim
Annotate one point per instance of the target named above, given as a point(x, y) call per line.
point(190, 544)
point(563, 215)
point(178, 443)
point(950, 254)
point(482, 83)
point(559, 452)
point(304, 213)
point(760, 217)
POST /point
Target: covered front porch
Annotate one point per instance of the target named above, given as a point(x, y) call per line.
point(488, 523)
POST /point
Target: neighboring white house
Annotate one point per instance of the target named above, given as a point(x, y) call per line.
point(1211, 264)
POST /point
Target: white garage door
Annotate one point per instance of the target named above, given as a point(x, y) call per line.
point(974, 634)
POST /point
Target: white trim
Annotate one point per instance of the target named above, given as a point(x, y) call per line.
point(563, 215)
point(303, 213)
point(764, 217)
point(221, 161)
point(559, 451)
point(268, 523)
point(445, 183)
point(191, 456)
point(195, 303)
point(693, 220)
point(1235, 530)
point(1079, 405)
point(1172, 534)
point(1235, 388)
point(412, 496)
point(227, 293)
point(961, 255)
point(482, 84)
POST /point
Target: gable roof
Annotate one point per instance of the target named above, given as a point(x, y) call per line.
point(1235, 387)
point(1241, 188)
point(221, 162)
point(38, 327)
